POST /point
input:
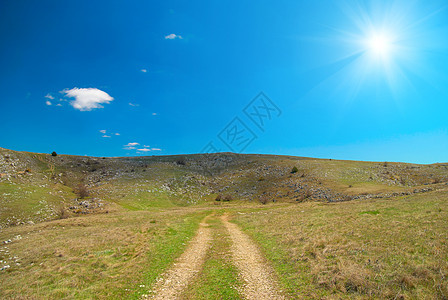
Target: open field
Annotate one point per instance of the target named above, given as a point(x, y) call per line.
point(83, 227)
point(388, 248)
point(103, 256)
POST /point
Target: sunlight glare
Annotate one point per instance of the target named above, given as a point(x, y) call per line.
point(379, 44)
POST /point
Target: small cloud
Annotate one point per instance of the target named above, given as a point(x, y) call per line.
point(131, 144)
point(59, 104)
point(146, 148)
point(154, 114)
point(133, 104)
point(103, 131)
point(173, 36)
point(48, 102)
point(49, 96)
point(87, 99)
point(144, 70)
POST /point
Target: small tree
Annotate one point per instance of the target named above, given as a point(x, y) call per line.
point(294, 170)
point(54, 153)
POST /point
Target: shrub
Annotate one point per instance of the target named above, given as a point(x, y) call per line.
point(218, 198)
point(264, 199)
point(181, 161)
point(294, 170)
point(62, 213)
point(82, 191)
point(227, 198)
point(306, 194)
point(54, 153)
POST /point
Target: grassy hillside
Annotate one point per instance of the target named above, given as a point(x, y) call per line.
point(38, 187)
point(87, 227)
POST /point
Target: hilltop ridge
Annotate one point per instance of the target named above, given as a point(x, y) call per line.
point(50, 186)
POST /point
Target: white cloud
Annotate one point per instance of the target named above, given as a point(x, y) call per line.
point(49, 96)
point(144, 70)
point(103, 131)
point(154, 114)
point(131, 144)
point(106, 136)
point(59, 104)
point(87, 99)
point(47, 102)
point(173, 36)
point(117, 133)
point(133, 104)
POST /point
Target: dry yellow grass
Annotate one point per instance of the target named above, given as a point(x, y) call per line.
point(360, 249)
point(114, 255)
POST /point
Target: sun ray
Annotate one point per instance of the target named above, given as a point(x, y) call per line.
point(388, 36)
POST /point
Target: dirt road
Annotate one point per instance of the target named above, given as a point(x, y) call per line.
point(176, 279)
point(257, 275)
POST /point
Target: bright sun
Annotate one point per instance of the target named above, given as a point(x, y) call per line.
point(379, 44)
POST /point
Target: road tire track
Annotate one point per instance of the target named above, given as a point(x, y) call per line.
point(175, 280)
point(258, 276)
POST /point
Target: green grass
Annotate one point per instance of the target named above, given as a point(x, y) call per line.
point(369, 212)
point(21, 203)
point(167, 247)
point(219, 277)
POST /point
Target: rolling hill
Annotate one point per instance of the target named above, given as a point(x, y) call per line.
point(35, 187)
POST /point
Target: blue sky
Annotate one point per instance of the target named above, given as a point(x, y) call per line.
point(364, 80)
